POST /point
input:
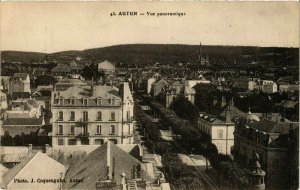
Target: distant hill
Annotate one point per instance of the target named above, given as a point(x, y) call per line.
point(148, 54)
point(20, 56)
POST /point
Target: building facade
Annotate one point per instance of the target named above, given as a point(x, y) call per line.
point(277, 145)
point(220, 132)
point(92, 115)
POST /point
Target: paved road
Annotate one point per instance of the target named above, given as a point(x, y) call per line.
point(200, 172)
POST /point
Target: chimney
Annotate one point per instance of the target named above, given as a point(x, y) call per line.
point(223, 103)
point(109, 173)
point(228, 115)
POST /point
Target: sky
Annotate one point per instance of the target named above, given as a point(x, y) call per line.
point(59, 26)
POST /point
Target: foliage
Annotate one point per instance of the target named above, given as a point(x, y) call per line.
point(178, 125)
point(6, 139)
point(20, 140)
point(44, 80)
point(179, 174)
point(236, 175)
point(185, 109)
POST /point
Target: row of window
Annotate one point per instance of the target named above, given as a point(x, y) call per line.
point(112, 130)
point(86, 116)
point(85, 101)
point(61, 141)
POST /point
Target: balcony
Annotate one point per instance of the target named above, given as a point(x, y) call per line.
point(83, 135)
point(83, 121)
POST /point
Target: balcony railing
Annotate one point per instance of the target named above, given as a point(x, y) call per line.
point(83, 121)
point(83, 135)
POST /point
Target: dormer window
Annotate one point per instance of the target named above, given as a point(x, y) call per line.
point(99, 101)
point(61, 100)
point(85, 101)
point(72, 101)
point(113, 101)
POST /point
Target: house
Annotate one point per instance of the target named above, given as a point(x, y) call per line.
point(91, 115)
point(276, 143)
point(37, 172)
point(219, 130)
point(106, 67)
point(110, 167)
point(20, 83)
point(269, 86)
point(157, 87)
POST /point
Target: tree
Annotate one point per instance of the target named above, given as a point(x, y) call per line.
point(185, 109)
point(44, 80)
point(87, 72)
point(6, 139)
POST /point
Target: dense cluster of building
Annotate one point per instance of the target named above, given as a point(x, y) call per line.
point(73, 113)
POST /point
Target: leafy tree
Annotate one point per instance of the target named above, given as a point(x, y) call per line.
point(6, 139)
point(44, 80)
point(185, 109)
point(87, 72)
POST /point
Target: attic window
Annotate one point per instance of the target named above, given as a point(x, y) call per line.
point(61, 100)
point(113, 101)
point(72, 101)
point(85, 101)
point(99, 101)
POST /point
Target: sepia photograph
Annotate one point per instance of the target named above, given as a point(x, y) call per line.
point(149, 95)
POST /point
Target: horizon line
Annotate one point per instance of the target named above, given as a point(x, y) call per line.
point(7, 50)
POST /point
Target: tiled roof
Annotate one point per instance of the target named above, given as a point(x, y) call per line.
point(20, 75)
point(106, 65)
point(211, 118)
point(9, 175)
point(23, 121)
point(273, 127)
point(18, 130)
point(31, 168)
point(94, 167)
point(16, 95)
point(85, 91)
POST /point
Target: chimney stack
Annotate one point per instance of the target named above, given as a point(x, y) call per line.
point(228, 116)
point(109, 172)
point(223, 103)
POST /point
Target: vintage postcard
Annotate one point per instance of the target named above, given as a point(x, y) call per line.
point(149, 95)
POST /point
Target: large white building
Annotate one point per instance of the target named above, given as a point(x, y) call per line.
point(92, 115)
point(220, 132)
